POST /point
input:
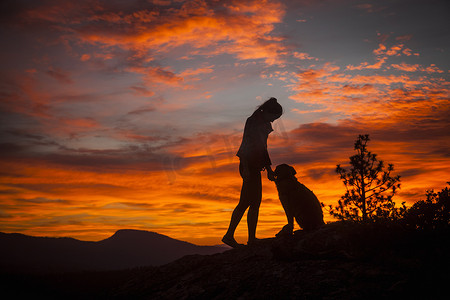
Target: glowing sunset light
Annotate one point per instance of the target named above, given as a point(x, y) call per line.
point(129, 114)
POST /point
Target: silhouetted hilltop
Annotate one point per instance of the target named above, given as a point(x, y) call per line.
point(338, 261)
point(124, 249)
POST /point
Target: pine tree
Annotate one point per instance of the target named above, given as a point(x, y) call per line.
point(370, 187)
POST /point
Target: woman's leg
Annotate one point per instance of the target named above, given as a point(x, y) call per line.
point(254, 195)
point(236, 217)
point(250, 196)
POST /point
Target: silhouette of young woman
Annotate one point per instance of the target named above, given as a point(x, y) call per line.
point(254, 158)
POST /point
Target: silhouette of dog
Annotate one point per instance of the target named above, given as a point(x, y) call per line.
point(298, 201)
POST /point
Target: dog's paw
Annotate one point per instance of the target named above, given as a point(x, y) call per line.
point(285, 231)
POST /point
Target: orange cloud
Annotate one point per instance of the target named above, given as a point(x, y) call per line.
point(366, 65)
point(406, 67)
point(23, 95)
point(382, 54)
point(194, 72)
point(85, 57)
point(365, 89)
point(395, 50)
point(132, 38)
point(380, 50)
point(416, 67)
point(433, 69)
point(408, 52)
point(244, 26)
point(374, 96)
point(303, 56)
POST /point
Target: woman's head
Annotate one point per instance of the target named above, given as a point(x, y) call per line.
point(271, 109)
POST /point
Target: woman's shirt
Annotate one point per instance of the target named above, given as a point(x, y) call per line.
point(253, 148)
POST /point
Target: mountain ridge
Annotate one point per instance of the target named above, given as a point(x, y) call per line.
point(126, 248)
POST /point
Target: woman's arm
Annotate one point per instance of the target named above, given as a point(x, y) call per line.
point(270, 173)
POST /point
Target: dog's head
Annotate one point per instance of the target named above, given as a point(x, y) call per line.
point(284, 171)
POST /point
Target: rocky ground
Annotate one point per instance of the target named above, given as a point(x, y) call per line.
point(339, 261)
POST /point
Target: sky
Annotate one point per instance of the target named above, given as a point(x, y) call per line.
point(128, 114)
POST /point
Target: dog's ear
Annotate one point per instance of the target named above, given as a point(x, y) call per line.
point(292, 170)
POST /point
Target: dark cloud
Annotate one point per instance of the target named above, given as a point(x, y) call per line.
point(209, 196)
point(92, 188)
point(134, 156)
point(25, 134)
point(4, 191)
point(42, 200)
point(142, 91)
point(316, 142)
point(5, 215)
point(103, 160)
point(12, 10)
point(317, 173)
point(182, 207)
point(60, 75)
point(142, 110)
point(323, 142)
point(411, 172)
point(138, 205)
point(329, 135)
point(131, 205)
point(11, 149)
point(23, 141)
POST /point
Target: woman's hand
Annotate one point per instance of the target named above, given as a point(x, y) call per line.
point(270, 173)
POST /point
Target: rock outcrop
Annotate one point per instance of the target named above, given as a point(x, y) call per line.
point(338, 261)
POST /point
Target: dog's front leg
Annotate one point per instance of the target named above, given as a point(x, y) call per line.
point(287, 229)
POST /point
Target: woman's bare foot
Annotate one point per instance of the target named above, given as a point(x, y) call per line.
point(230, 241)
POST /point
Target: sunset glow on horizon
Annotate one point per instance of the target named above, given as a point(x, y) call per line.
point(128, 114)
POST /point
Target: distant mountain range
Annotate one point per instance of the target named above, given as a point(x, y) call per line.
point(125, 249)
